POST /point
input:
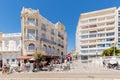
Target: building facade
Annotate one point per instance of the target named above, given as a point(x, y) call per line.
point(97, 31)
point(0, 52)
point(10, 47)
point(39, 34)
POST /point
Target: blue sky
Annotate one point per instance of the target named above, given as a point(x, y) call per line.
point(65, 11)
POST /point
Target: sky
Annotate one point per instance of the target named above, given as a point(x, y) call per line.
point(65, 11)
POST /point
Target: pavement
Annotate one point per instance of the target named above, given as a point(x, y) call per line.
point(79, 71)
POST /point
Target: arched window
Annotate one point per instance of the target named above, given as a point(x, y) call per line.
point(53, 50)
point(31, 47)
point(44, 48)
point(49, 49)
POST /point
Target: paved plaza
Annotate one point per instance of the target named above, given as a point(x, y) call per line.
point(79, 71)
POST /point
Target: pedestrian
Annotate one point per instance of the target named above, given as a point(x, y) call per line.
point(4, 69)
point(105, 64)
point(7, 68)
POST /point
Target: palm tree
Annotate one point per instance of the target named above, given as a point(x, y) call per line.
point(113, 51)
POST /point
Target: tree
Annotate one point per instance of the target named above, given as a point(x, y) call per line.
point(38, 56)
point(113, 51)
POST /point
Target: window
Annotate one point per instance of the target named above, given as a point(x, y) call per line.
point(92, 36)
point(101, 45)
point(43, 36)
point(52, 31)
point(84, 46)
point(52, 39)
point(53, 50)
point(83, 37)
point(32, 21)
point(119, 12)
point(92, 20)
point(36, 22)
point(49, 49)
point(118, 17)
point(31, 34)
point(92, 51)
point(92, 46)
point(43, 27)
point(84, 51)
point(108, 45)
point(12, 45)
point(110, 39)
point(118, 45)
point(118, 23)
point(101, 35)
point(31, 47)
point(100, 51)
point(118, 28)
point(36, 34)
point(118, 39)
point(110, 34)
point(44, 48)
point(59, 34)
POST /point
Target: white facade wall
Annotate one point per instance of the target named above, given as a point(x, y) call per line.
point(11, 47)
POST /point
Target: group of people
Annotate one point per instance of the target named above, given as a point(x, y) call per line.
point(57, 65)
point(32, 66)
point(7, 68)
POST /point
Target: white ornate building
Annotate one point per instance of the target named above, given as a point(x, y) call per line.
point(10, 47)
point(39, 34)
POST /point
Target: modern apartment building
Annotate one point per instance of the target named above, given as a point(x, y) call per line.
point(10, 48)
point(96, 31)
point(39, 34)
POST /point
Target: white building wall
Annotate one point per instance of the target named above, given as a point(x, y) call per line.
point(11, 47)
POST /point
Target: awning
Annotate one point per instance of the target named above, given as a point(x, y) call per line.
point(25, 57)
